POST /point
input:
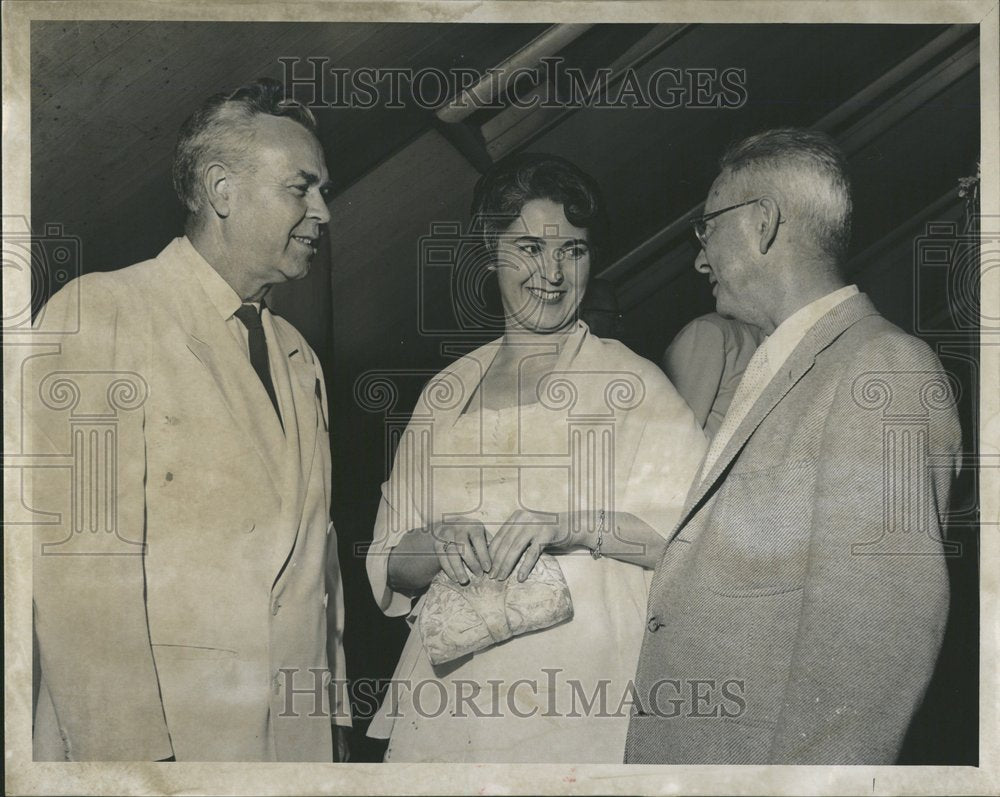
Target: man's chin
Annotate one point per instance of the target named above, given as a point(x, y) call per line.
point(730, 313)
point(722, 308)
point(296, 272)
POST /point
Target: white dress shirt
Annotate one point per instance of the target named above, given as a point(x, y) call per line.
point(766, 363)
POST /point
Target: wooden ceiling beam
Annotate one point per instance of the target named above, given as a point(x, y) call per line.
point(495, 84)
point(516, 127)
point(451, 120)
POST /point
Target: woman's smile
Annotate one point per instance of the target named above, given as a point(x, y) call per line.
point(547, 257)
point(545, 295)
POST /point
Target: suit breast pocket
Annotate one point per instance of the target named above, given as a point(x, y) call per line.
point(757, 539)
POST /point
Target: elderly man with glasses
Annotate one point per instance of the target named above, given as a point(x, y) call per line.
point(800, 604)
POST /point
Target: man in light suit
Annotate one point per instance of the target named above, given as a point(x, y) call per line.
point(182, 587)
point(798, 610)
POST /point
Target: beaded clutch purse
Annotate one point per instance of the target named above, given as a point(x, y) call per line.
point(455, 621)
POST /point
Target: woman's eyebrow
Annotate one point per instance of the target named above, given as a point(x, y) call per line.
point(535, 239)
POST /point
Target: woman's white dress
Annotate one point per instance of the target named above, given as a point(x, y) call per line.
point(608, 432)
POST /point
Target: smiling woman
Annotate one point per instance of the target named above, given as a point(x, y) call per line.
point(553, 459)
point(543, 262)
point(544, 220)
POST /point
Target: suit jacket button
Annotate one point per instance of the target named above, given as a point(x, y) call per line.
point(275, 607)
point(654, 624)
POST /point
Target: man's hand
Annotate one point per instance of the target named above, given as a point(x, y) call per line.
point(341, 744)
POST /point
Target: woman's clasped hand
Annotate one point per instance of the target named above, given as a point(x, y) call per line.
point(466, 549)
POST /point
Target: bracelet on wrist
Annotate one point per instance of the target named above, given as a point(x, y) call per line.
point(596, 551)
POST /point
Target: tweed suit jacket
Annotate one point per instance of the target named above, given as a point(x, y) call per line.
point(797, 612)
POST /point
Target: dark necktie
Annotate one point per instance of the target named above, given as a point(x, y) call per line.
point(250, 317)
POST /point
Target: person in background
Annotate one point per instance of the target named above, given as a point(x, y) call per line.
point(706, 361)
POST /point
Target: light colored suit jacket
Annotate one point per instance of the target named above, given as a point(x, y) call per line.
point(798, 610)
point(183, 578)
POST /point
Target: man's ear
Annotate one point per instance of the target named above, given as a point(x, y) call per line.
point(770, 218)
point(218, 185)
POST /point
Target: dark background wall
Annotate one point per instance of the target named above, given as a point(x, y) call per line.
point(107, 99)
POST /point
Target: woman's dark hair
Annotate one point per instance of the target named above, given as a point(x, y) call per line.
point(503, 191)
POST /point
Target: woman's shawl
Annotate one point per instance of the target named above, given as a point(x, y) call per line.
point(633, 444)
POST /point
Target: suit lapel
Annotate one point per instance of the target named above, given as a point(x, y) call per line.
point(820, 336)
point(215, 346)
point(775, 391)
point(299, 393)
point(301, 396)
point(255, 418)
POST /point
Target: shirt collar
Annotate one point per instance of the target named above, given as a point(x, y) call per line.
point(220, 293)
point(790, 332)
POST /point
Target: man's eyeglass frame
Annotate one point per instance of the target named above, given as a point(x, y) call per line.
point(698, 224)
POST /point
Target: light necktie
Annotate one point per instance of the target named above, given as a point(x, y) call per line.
point(755, 379)
point(250, 317)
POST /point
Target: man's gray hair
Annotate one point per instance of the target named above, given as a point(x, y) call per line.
point(222, 130)
point(808, 171)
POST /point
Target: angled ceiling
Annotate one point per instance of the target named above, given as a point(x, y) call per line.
point(108, 97)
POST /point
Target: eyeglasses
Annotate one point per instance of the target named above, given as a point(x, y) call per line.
point(701, 231)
